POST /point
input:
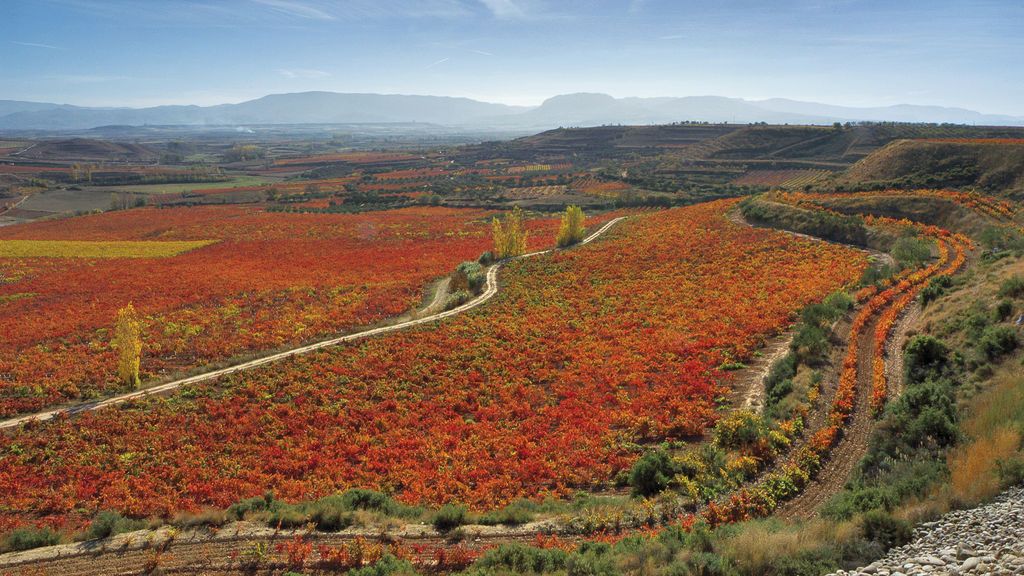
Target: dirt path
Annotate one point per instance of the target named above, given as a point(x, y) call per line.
point(10, 207)
point(851, 447)
point(489, 292)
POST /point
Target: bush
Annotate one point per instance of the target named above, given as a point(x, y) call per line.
point(286, 516)
point(779, 381)
point(518, 512)
point(652, 473)
point(810, 344)
point(29, 538)
point(592, 559)
point(739, 429)
point(1003, 310)
point(1010, 471)
point(936, 287)
point(839, 302)
point(885, 530)
point(1012, 287)
point(386, 566)
point(449, 516)
point(523, 559)
point(997, 340)
point(911, 252)
point(469, 277)
point(243, 508)
point(925, 356)
point(109, 523)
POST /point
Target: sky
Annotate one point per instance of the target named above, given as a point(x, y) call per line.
point(849, 52)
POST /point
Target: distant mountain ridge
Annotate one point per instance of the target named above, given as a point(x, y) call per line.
point(580, 109)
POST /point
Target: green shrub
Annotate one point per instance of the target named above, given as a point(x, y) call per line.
point(457, 299)
point(449, 516)
point(523, 559)
point(911, 252)
point(468, 276)
point(518, 512)
point(1011, 471)
point(779, 381)
point(363, 499)
point(652, 473)
point(239, 510)
point(29, 538)
point(997, 340)
point(810, 344)
point(1012, 287)
point(330, 513)
point(1004, 309)
point(109, 523)
point(924, 357)
point(386, 566)
point(936, 287)
point(286, 516)
point(882, 528)
point(839, 302)
point(592, 559)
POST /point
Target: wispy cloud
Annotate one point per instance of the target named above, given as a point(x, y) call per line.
point(35, 45)
point(302, 73)
point(297, 9)
point(438, 63)
point(481, 52)
point(504, 8)
point(672, 37)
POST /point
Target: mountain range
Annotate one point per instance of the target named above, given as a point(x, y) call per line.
point(581, 109)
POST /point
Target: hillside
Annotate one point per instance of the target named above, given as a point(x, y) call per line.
point(996, 167)
point(580, 109)
point(88, 149)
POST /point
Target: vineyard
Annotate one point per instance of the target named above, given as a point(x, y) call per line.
point(210, 283)
point(781, 178)
point(481, 410)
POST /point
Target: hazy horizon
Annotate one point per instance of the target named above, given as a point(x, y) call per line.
point(841, 52)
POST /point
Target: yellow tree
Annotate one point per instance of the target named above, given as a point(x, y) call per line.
point(128, 342)
point(571, 230)
point(509, 235)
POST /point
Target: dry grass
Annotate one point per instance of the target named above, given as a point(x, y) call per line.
point(761, 544)
point(973, 472)
point(994, 428)
point(96, 249)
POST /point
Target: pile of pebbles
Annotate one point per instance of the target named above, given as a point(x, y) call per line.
point(984, 540)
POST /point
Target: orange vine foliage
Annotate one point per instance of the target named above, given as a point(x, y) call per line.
point(547, 389)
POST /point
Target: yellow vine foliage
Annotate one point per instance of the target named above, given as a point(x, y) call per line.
point(128, 342)
point(509, 235)
point(571, 229)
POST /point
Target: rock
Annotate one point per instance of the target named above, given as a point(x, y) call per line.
point(988, 539)
point(969, 564)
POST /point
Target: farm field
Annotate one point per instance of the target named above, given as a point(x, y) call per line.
point(250, 280)
point(551, 387)
point(178, 187)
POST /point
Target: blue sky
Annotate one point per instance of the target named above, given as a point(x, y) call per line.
point(851, 52)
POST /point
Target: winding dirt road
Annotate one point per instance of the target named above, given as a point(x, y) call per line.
point(489, 292)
